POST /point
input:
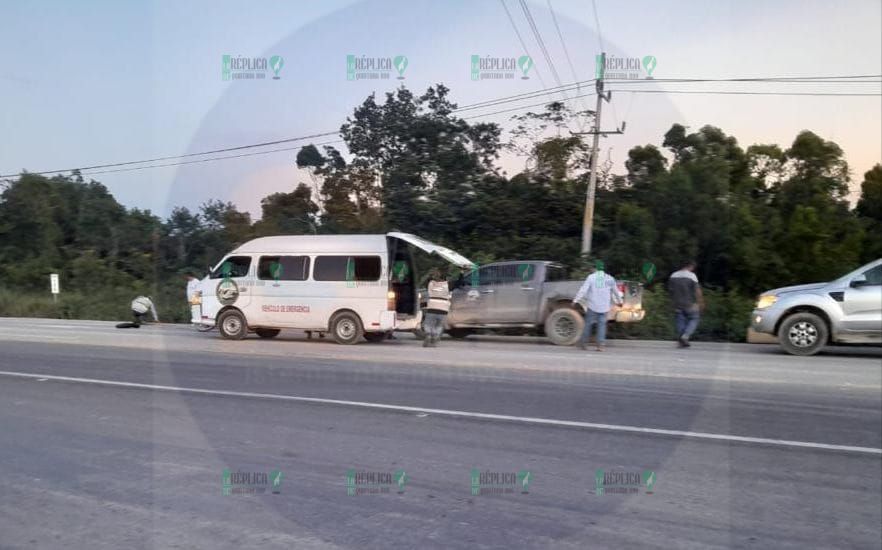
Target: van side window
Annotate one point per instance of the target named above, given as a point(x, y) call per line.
point(347, 268)
point(283, 268)
point(234, 266)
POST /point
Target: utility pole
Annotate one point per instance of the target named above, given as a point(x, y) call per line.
point(588, 219)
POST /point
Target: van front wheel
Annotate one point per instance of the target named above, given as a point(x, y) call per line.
point(346, 328)
point(232, 325)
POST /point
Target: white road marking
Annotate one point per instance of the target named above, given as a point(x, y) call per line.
point(463, 414)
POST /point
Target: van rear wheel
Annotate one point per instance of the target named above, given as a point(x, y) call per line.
point(346, 328)
point(232, 325)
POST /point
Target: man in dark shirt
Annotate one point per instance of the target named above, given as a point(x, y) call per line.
point(687, 300)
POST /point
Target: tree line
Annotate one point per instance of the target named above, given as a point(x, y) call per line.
point(753, 218)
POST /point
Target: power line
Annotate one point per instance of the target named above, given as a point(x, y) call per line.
point(597, 26)
point(527, 106)
point(723, 92)
point(521, 40)
point(563, 43)
point(579, 83)
point(540, 41)
point(158, 159)
point(530, 95)
point(854, 79)
point(136, 168)
point(524, 95)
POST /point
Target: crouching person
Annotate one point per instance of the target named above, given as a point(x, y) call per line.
point(436, 308)
point(140, 306)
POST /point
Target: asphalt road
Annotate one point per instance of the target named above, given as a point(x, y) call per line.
point(118, 439)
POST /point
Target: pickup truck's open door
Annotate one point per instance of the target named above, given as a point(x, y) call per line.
point(453, 257)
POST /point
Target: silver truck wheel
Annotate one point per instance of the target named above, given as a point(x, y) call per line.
point(564, 326)
point(803, 334)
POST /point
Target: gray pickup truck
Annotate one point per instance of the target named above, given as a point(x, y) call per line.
point(528, 297)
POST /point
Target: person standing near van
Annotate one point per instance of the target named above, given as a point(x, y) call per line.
point(601, 291)
point(437, 308)
point(687, 299)
point(193, 294)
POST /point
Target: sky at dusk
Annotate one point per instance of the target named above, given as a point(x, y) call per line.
point(95, 82)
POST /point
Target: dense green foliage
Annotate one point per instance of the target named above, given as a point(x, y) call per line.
point(753, 218)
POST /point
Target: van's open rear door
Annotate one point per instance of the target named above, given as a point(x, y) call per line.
point(453, 257)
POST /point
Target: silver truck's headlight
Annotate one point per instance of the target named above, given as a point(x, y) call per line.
point(766, 300)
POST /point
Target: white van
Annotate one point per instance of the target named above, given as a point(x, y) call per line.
point(347, 285)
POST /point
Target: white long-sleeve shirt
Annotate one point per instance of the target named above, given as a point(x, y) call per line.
point(600, 290)
point(142, 304)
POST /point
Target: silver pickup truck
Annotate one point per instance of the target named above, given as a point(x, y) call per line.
point(805, 318)
point(528, 296)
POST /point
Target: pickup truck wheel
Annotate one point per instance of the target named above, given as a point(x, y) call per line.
point(267, 332)
point(564, 326)
point(232, 325)
point(346, 328)
point(803, 334)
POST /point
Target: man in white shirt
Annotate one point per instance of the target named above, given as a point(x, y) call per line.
point(140, 306)
point(436, 309)
point(600, 291)
point(193, 295)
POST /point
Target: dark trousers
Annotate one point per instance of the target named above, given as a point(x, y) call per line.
point(138, 318)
